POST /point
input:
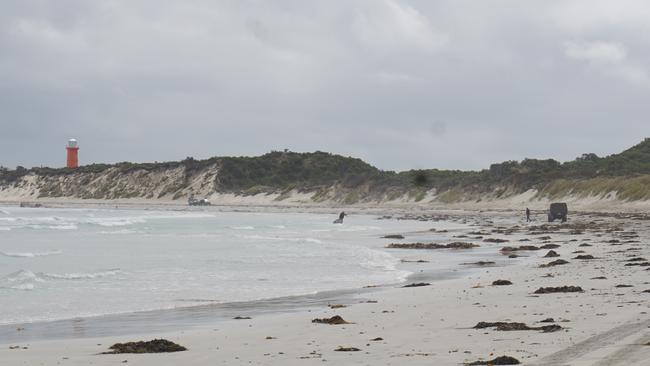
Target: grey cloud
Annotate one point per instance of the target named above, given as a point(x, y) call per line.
point(401, 84)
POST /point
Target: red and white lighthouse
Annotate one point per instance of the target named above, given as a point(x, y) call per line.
point(73, 154)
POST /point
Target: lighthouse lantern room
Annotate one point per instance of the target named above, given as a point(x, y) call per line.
point(73, 154)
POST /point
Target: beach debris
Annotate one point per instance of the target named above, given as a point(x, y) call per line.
point(479, 233)
point(495, 240)
point(479, 263)
point(636, 259)
point(644, 264)
point(377, 339)
point(454, 245)
point(585, 245)
point(335, 320)
point(393, 236)
point(153, 346)
point(585, 257)
point(242, 317)
point(347, 349)
point(501, 283)
point(521, 247)
point(510, 326)
point(645, 292)
point(599, 278)
point(547, 320)
point(551, 290)
point(544, 238)
point(312, 354)
point(550, 246)
point(513, 256)
point(414, 261)
point(557, 262)
point(419, 284)
point(336, 306)
point(551, 254)
point(501, 360)
point(623, 286)
point(270, 337)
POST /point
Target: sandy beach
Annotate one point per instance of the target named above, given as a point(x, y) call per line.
point(289, 183)
point(605, 323)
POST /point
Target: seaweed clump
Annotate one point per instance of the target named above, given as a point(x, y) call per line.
point(153, 346)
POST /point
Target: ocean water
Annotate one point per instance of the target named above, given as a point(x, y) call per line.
point(69, 263)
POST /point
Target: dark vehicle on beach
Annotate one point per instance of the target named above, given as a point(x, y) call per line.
point(198, 202)
point(558, 211)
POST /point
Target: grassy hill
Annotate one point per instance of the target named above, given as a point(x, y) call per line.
point(345, 179)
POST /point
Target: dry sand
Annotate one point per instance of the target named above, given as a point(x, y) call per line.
point(433, 325)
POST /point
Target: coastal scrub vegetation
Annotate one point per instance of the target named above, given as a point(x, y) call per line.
point(328, 176)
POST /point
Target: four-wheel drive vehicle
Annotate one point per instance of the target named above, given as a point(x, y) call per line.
point(558, 211)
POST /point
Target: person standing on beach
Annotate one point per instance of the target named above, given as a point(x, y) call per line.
point(527, 214)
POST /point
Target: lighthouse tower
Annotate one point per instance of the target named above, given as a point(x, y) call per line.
point(73, 154)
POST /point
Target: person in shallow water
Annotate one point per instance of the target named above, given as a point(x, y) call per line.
point(340, 219)
point(527, 214)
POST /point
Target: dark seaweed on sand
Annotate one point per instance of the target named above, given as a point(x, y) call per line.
point(153, 346)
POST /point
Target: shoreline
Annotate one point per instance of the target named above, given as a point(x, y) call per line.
point(188, 317)
point(606, 323)
point(304, 204)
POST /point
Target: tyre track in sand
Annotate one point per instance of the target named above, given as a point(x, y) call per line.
point(594, 343)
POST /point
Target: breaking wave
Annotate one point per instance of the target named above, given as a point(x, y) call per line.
point(374, 259)
point(53, 227)
point(81, 276)
point(277, 238)
point(28, 280)
point(119, 232)
point(242, 227)
point(20, 280)
point(30, 254)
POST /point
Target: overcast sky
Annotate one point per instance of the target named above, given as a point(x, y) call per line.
point(400, 84)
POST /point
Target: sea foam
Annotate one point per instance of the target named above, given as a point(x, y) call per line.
point(31, 254)
point(81, 276)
